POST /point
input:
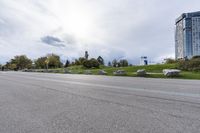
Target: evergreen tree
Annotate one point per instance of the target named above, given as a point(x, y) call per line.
point(109, 64)
point(67, 63)
point(86, 55)
point(100, 60)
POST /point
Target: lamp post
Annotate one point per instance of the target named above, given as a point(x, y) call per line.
point(47, 63)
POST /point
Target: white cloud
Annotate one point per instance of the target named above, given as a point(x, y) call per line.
point(110, 28)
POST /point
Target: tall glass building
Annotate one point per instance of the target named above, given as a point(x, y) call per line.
point(187, 36)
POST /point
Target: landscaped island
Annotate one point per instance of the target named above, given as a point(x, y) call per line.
point(153, 71)
point(183, 68)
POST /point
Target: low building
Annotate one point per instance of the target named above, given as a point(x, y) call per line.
point(143, 60)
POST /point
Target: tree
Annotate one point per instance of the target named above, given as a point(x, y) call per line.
point(170, 61)
point(189, 65)
point(91, 63)
point(100, 60)
point(109, 64)
point(196, 57)
point(81, 60)
point(94, 63)
point(19, 62)
point(67, 63)
point(54, 61)
point(114, 63)
point(86, 55)
point(118, 64)
point(77, 62)
point(40, 62)
point(123, 63)
point(73, 63)
point(11, 66)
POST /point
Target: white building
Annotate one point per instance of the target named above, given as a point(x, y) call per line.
point(143, 61)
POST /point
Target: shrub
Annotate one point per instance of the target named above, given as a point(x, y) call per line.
point(91, 63)
point(170, 61)
point(190, 65)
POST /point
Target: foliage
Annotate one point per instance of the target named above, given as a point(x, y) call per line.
point(190, 65)
point(67, 63)
point(92, 63)
point(100, 60)
point(109, 64)
point(196, 57)
point(86, 55)
point(114, 63)
point(79, 61)
point(19, 63)
point(11, 66)
point(123, 63)
point(40, 62)
point(170, 61)
point(54, 61)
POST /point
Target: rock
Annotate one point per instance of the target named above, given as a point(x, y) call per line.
point(102, 72)
point(171, 72)
point(88, 72)
point(119, 72)
point(141, 72)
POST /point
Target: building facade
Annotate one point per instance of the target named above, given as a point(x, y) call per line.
point(187, 35)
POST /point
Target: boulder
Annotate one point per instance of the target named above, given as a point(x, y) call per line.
point(141, 72)
point(171, 72)
point(102, 72)
point(119, 72)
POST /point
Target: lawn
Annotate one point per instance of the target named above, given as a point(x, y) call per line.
point(155, 71)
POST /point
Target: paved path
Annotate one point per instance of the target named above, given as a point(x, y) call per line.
point(58, 103)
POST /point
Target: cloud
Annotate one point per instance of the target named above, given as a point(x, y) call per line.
point(53, 41)
point(127, 28)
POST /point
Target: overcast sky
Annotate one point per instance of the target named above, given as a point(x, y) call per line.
point(110, 28)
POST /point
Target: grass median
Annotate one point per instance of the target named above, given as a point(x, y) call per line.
point(153, 71)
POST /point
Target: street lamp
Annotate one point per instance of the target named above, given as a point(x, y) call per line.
point(47, 63)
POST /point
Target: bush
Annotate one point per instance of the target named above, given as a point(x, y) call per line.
point(194, 64)
point(190, 65)
point(91, 63)
point(170, 61)
point(183, 65)
point(196, 57)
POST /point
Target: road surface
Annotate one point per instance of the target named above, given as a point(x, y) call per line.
point(58, 103)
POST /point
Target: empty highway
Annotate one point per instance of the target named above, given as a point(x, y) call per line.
point(62, 103)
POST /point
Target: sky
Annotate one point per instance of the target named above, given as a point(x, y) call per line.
point(113, 29)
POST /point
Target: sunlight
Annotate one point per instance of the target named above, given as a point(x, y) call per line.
point(78, 22)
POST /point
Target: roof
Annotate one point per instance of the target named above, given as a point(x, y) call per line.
point(188, 15)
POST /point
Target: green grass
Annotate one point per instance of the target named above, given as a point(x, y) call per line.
point(154, 70)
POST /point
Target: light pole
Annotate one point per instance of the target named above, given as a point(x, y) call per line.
point(47, 63)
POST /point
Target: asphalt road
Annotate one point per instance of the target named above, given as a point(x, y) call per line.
point(58, 103)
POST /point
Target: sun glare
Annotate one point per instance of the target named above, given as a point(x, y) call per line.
point(77, 22)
